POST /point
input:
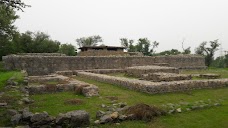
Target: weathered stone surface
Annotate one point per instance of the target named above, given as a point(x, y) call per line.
point(100, 114)
point(122, 105)
point(210, 76)
point(43, 65)
point(90, 91)
point(161, 64)
point(78, 118)
point(11, 82)
point(41, 54)
point(3, 104)
point(26, 100)
point(178, 110)
point(62, 118)
point(97, 122)
point(26, 115)
point(160, 76)
point(39, 117)
point(114, 115)
point(47, 78)
point(63, 83)
point(12, 112)
point(16, 119)
point(65, 73)
point(122, 117)
point(106, 71)
point(105, 119)
point(138, 71)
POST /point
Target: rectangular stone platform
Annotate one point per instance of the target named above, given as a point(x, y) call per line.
point(45, 65)
point(138, 71)
point(156, 87)
point(160, 76)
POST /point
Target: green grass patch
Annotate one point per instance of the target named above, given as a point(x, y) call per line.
point(221, 71)
point(211, 117)
point(54, 104)
point(4, 76)
point(10, 96)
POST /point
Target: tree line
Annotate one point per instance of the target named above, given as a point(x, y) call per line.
point(12, 41)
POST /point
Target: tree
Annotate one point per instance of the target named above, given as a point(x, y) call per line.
point(128, 44)
point(208, 52)
point(7, 30)
point(170, 52)
point(67, 49)
point(144, 46)
point(89, 41)
point(154, 45)
point(35, 42)
point(187, 50)
point(41, 43)
point(14, 4)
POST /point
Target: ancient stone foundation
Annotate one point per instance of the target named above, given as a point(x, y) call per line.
point(156, 87)
point(138, 71)
point(44, 65)
point(59, 83)
point(160, 76)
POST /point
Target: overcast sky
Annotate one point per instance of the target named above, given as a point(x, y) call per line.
point(166, 21)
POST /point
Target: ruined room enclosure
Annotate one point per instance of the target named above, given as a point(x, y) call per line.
point(149, 79)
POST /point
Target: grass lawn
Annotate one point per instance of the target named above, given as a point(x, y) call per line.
point(213, 117)
point(4, 76)
point(222, 71)
point(10, 96)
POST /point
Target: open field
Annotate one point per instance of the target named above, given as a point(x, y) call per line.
point(211, 117)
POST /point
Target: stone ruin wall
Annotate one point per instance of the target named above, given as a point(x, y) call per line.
point(156, 87)
point(41, 54)
point(43, 65)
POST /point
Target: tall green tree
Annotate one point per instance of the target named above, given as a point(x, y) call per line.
point(170, 52)
point(208, 51)
point(36, 42)
point(154, 45)
point(14, 4)
point(7, 30)
point(89, 41)
point(128, 44)
point(67, 49)
point(144, 45)
point(185, 50)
